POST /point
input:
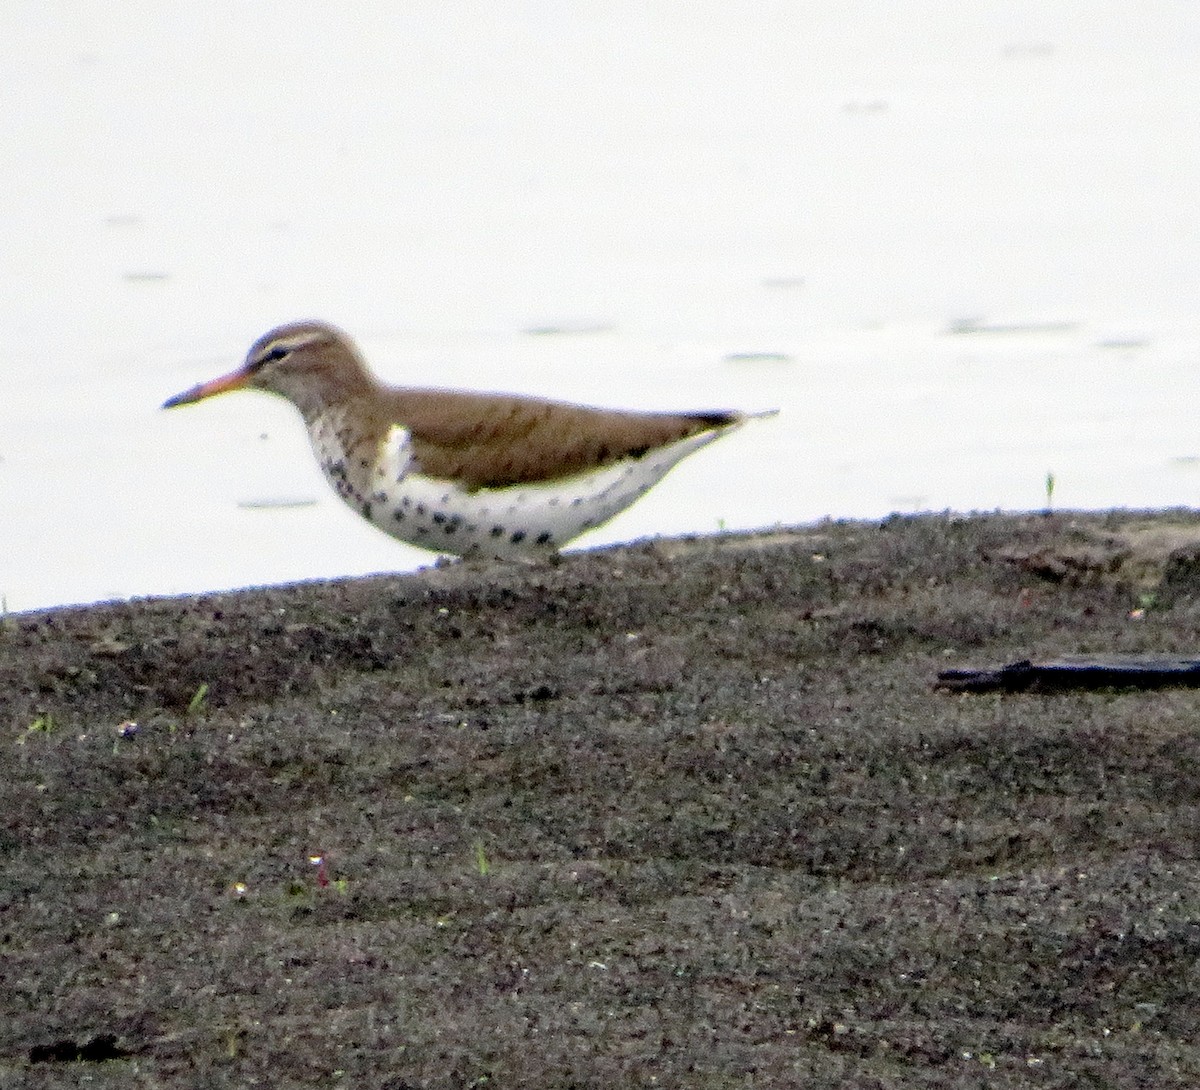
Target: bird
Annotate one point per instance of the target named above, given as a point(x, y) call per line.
point(470, 474)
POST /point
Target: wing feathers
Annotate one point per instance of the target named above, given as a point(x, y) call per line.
point(492, 441)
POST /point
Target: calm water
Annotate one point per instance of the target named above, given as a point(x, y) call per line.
point(958, 250)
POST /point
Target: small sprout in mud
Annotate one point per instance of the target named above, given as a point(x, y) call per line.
point(1049, 489)
point(481, 860)
point(238, 889)
point(43, 724)
point(196, 704)
point(721, 525)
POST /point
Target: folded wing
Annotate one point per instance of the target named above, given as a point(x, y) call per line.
point(485, 441)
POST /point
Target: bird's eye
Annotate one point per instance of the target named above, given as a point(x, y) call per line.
point(277, 353)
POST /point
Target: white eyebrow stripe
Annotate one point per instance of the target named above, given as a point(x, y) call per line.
point(291, 343)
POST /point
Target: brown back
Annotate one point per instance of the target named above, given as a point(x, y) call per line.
point(494, 440)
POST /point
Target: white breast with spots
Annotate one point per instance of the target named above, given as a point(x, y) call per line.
point(513, 522)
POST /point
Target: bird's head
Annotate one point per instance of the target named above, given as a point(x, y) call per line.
point(312, 364)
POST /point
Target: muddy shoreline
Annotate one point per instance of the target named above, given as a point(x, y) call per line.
point(682, 813)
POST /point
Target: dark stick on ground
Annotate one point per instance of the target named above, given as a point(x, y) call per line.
point(1091, 672)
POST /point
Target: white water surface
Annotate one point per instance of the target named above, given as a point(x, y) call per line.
point(957, 244)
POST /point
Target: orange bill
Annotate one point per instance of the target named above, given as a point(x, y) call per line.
point(235, 380)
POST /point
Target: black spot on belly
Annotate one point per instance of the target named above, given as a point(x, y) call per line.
point(399, 516)
point(518, 537)
point(420, 509)
point(544, 538)
point(366, 511)
point(497, 531)
point(438, 518)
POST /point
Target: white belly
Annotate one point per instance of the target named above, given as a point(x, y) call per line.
point(513, 522)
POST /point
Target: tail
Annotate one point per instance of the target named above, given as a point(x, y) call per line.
point(731, 418)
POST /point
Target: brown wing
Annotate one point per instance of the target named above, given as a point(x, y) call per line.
point(490, 441)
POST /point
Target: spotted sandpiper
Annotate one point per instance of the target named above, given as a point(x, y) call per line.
point(471, 474)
